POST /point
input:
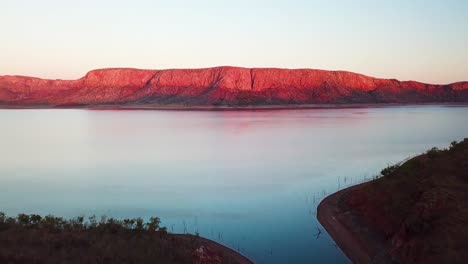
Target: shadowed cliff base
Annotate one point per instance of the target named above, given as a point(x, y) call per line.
point(50, 239)
point(415, 212)
point(221, 87)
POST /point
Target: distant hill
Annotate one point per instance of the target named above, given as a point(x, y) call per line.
point(221, 86)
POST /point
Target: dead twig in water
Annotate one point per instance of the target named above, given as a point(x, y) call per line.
point(318, 233)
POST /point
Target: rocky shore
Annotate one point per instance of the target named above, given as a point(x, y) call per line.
point(416, 212)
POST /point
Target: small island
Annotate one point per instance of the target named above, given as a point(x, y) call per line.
point(51, 239)
point(414, 212)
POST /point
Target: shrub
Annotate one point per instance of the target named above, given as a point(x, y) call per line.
point(432, 153)
point(10, 221)
point(77, 222)
point(35, 220)
point(128, 223)
point(23, 220)
point(53, 223)
point(453, 145)
point(2, 217)
point(389, 169)
point(2, 220)
point(103, 219)
point(139, 224)
point(92, 221)
point(153, 224)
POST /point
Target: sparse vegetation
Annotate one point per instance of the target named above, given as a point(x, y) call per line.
point(433, 152)
point(50, 239)
point(389, 169)
point(420, 207)
point(57, 224)
point(453, 145)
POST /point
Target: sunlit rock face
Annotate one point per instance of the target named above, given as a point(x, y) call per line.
point(222, 86)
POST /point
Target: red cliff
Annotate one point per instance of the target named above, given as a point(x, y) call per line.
point(221, 86)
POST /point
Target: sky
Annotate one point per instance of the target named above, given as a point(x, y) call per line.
point(408, 40)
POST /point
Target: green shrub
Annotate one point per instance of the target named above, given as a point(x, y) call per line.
point(53, 223)
point(389, 169)
point(23, 220)
point(35, 220)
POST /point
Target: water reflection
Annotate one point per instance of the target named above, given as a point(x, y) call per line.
point(249, 179)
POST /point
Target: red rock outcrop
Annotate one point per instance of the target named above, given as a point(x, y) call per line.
point(228, 86)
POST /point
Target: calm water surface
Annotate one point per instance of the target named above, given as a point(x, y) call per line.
point(248, 179)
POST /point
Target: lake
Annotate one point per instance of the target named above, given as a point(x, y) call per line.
point(250, 180)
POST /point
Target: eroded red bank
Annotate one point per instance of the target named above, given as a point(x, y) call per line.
point(229, 86)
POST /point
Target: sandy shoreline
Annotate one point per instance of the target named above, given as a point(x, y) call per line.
point(358, 242)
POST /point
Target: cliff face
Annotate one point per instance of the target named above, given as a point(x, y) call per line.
point(229, 86)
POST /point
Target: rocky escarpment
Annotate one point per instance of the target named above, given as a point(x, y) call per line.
point(221, 86)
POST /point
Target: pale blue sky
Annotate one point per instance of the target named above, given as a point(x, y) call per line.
point(404, 39)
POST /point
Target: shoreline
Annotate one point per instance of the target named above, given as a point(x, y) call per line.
point(359, 243)
point(231, 108)
point(35, 239)
point(215, 246)
point(415, 212)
